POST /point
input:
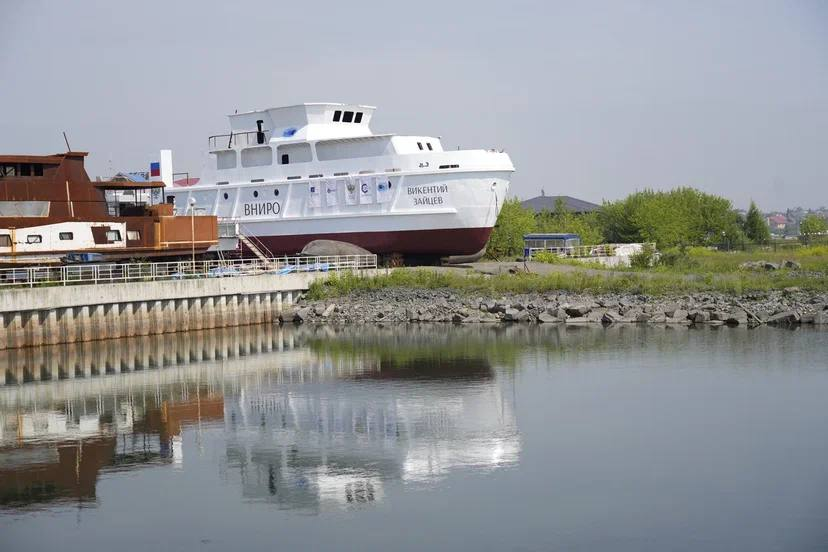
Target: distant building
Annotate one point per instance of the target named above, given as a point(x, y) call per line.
point(544, 202)
point(777, 223)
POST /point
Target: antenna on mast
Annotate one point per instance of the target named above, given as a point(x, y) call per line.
point(65, 139)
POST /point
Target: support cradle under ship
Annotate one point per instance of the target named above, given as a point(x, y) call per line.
point(290, 175)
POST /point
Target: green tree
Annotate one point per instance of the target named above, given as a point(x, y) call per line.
point(810, 225)
point(561, 220)
point(756, 229)
point(683, 216)
point(507, 237)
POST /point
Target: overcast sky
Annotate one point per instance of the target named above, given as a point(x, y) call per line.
point(591, 99)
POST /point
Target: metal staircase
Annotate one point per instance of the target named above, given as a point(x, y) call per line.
point(256, 246)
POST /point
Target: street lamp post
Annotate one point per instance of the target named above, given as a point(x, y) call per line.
point(192, 227)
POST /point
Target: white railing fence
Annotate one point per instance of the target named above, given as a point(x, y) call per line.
point(586, 251)
point(105, 273)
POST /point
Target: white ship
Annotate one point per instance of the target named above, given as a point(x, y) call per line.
point(290, 175)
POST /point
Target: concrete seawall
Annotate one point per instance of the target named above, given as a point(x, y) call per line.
point(49, 315)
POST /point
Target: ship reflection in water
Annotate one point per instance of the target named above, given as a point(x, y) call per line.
point(302, 419)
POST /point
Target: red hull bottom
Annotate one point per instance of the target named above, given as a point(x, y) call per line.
point(440, 242)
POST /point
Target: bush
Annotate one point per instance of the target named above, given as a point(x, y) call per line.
point(513, 223)
point(644, 258)
point(678, 217)
point(677, 258)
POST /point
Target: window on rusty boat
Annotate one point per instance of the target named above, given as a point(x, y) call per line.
point(34, 238)
point(5, 240)
point(113, 235)
point(63, 236)
point(133, 235)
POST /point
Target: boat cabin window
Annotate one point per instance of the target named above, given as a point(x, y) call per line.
point(257, 157)
point(5, 240)
point(66, 236)
point(34, 238)
point(420, 145)
point(133, 235)
point(358, 117)
point(113, 235)
point(21, 169)
point(295, 153)
point(337, 115)
point(225, 160)
point(348, 116)
point(428, 145)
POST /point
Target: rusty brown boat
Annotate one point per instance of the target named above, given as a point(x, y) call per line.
point(52, 212)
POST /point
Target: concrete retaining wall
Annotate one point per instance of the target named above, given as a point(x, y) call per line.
point(50, 315)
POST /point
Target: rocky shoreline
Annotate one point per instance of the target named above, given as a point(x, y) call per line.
point(399, 305)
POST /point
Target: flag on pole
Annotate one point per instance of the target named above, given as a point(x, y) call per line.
point(155, 169)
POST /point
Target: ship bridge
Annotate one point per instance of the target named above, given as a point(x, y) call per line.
point(310, 121)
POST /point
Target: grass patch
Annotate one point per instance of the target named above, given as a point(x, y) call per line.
point(703, 260)
point(649, 282)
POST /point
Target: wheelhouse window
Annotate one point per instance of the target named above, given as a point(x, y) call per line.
point(113, 235)
point(5, 240)
point(66, 236)
point(428, 145)
point(133, 235)
point(420, 145)
point(21, 169)
point(34, 238)
point(348, 116)
point(358, 117)
point(337, 115)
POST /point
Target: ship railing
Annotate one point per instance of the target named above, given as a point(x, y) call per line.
point(226, 141)
point(105, 273)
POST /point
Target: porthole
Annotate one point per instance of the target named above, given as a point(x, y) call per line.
point(226, 196)
point(276, 192)
point(255, 193)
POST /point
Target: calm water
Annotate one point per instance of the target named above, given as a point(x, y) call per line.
point(431, 438)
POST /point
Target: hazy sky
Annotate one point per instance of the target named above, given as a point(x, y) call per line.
point(591, 99)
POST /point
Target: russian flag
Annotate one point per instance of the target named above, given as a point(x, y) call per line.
point(155, 169)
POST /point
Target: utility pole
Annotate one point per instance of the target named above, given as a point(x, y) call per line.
point(192, 227)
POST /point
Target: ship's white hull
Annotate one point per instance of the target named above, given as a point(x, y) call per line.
point(421, 214)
